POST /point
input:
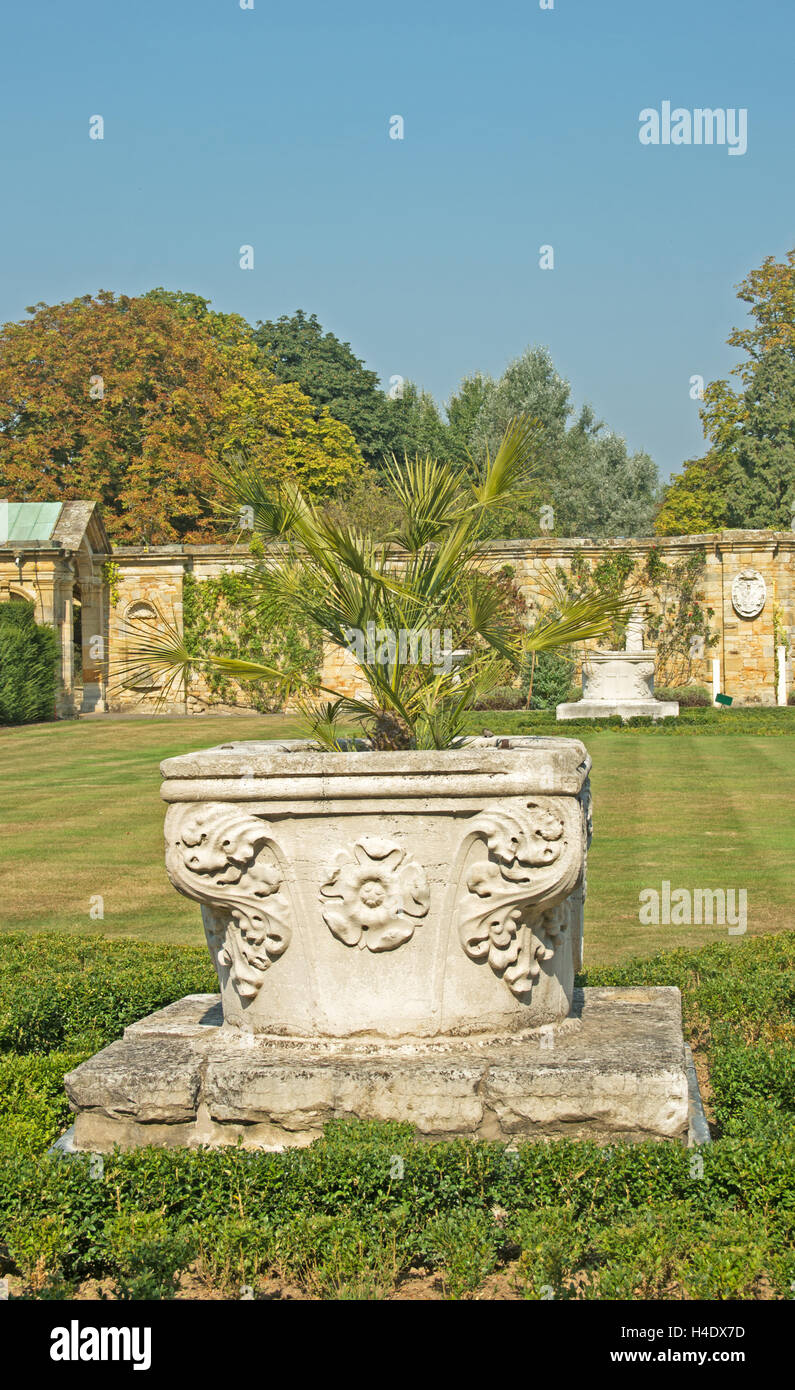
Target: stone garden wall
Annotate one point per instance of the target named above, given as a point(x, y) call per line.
point(149, 582)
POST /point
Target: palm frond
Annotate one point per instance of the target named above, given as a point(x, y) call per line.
point(507, 476)
point(577, 620)
point(430, 494)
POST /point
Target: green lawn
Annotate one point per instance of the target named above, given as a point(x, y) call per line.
point(81, 817)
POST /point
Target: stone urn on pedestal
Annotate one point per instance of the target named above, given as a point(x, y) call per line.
point(622, 683)
point(396, 937)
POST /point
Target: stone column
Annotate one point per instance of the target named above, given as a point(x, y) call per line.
point(94, 649)
point(63, 621)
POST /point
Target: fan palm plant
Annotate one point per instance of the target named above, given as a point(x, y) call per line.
point(427, 574)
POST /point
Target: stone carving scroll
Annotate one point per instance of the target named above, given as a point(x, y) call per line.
point(223, 858)
point(513, 907)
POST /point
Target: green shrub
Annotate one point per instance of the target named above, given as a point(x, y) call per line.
point(464, 1244)
point(146, 1254)
point(754, 1087)
point(760, 721)
point(78, 993)
point(687, 696)
point(640, 1255)
point(234, 1252)
point(728, 1260)
point(501, 697)
point(38, 1248)
point(341, 1256)
point(34, 1109)
point(551, 680)
point(346, 1217)
point(28, 655)
point(551, 1248)
point(347, 1233)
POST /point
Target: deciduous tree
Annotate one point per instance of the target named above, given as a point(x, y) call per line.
point(136, 401)
point(296, 349)
point(747, 477)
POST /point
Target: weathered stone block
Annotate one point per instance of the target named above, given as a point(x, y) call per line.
point(616, 1069)
point(146, 1078)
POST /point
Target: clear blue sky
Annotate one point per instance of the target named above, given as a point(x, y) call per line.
point(269, 127)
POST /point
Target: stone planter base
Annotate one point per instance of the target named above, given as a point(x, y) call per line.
point(616, 1069)
point(627, 709)
point(618, 683)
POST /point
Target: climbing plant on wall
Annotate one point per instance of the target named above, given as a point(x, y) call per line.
point(677, 621)
point(609, 575)
point(678, 625)
point(219, 618)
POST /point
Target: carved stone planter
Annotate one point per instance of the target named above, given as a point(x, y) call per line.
point(396, 937)
point(411, 894)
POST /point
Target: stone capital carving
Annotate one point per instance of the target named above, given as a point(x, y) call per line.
point(513, 905)
point(224, 858)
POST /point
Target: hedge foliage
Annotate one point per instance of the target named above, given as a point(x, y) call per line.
point(352, 1215)
point(74, 993)
point(686, 696)
point(767, 721)
point(28, 655)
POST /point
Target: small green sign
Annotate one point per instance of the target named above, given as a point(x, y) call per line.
point(723, 699)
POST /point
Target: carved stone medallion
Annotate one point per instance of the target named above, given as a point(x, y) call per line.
point(748, 593)
point(375, 895)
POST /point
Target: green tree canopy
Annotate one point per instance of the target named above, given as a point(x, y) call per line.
point(296, 349)
point(593, 484)
point(747, 477)
point(417, 425)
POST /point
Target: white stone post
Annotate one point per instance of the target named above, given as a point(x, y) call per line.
point(781, 692)
point(715, 678)
point(93, 648)
point(64, 608)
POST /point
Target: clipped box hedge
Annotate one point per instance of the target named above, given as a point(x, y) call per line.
point(28, 665)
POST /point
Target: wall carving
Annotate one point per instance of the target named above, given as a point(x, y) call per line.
point(749, 592)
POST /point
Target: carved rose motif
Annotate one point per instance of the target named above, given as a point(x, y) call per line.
point(375, 895)
point(517, 910)
point(217, 855)
point(748, 593)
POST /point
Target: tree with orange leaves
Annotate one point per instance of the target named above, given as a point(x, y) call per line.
point(134, 403)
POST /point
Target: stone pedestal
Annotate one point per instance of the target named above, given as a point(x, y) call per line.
point(618, 683)
point(614, 1069)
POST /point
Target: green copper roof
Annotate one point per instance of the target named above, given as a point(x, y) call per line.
point(30, 521)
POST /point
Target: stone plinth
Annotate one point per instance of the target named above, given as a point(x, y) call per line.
point(614, 1069)
point(618, 683)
